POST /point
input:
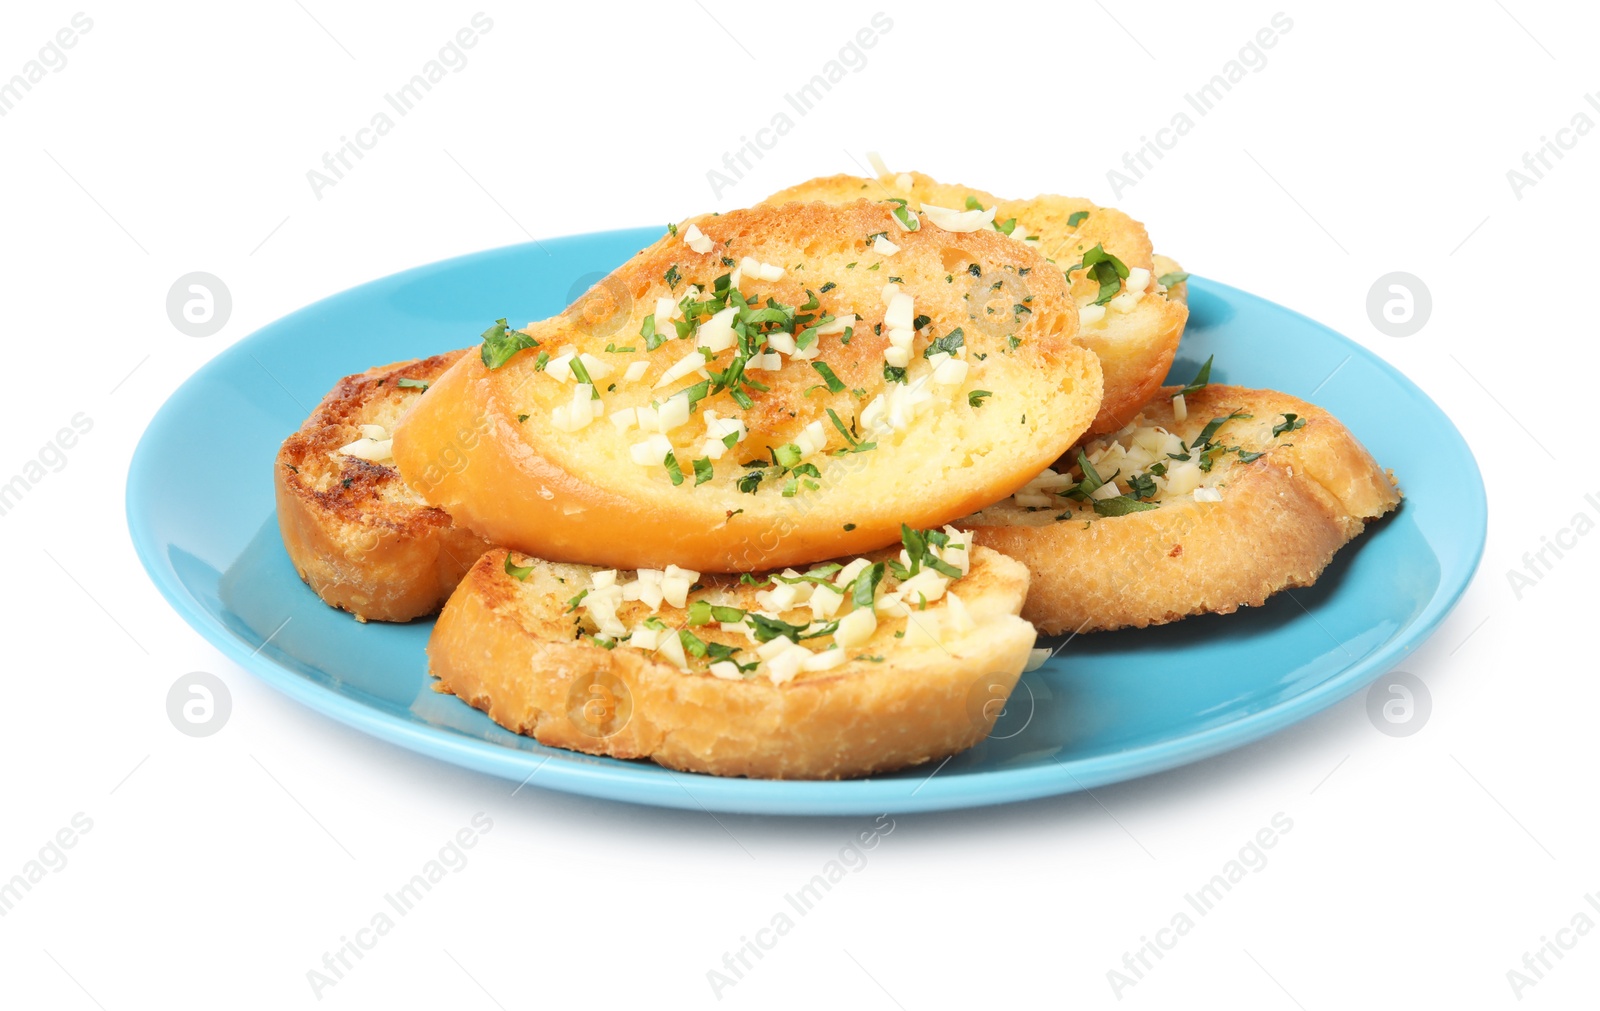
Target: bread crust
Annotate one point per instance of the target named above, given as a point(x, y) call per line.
point(506, 647)
point(482, 444)
point(1281, 519)
point(356, 534)
point(1135, 348)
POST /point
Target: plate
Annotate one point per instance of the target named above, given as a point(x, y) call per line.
point(1107, 707)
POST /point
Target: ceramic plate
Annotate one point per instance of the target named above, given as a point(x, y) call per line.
point(1107, 707)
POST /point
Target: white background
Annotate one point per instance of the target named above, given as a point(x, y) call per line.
point(218, 871)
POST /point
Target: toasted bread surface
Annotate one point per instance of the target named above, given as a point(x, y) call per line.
point(1288, 501)
point(1135, 340)
point(518, 649)
point(355, 532)
point(494, 448)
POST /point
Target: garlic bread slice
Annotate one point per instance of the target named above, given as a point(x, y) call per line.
point(771, 387)
point(1206, 503)
point(361, 538)
point(846, 669)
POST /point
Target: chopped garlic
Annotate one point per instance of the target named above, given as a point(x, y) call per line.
point(559, 368)
point(783, 667)
point(377, 433)
point(697, 240)
point(884, 247)
point(899, 315)
point(825, 660)
point(675, 584)
point(825, 602)
point(950, 373)
point(774, 647)
point(1091, 314)
point(689, 364)
point(952, 220)
point(1180, 409)
point(1137, 281)
point(671, 649)
point(644, 638)
point(1036, 659)
point(897, 357)
point(371, 450)
point(727, 670)
point(1207, 495)
point(848, 574)
point(837, 326)
point(636, 372)
point(716, 333)
point(754, 268)
point(1125, 302)
point(856, 628)
point(651, 452)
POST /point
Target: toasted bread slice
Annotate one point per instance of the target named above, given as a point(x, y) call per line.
point(356, 534)
point(1135, 335)
point(919, 686)
point(1288, 485)
point(825, 451)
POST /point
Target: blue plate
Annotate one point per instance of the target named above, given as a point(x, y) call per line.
point(1109, 707)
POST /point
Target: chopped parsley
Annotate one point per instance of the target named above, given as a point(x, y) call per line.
point(672, 277)
point(823, 370)
point(1200, 381)
point(865, 587)
point(1173, 279)
point(1106, 269)
point(674, 471)
point(948, 344)
point(412, 384)
point(1291, 423)
point(518, 572)
point(1121, 505)
point(501, 342)
point(1076, 218)
point(702, 470)
point(907, 220)
point(703, 612)
point(975, 398)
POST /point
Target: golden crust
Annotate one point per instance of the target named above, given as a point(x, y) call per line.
point(356, 534)
point(506, 646)
point(483, 446)
point(1280, 521)
point(1135, 348)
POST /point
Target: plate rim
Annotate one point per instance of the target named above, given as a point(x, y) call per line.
point(611, 779)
